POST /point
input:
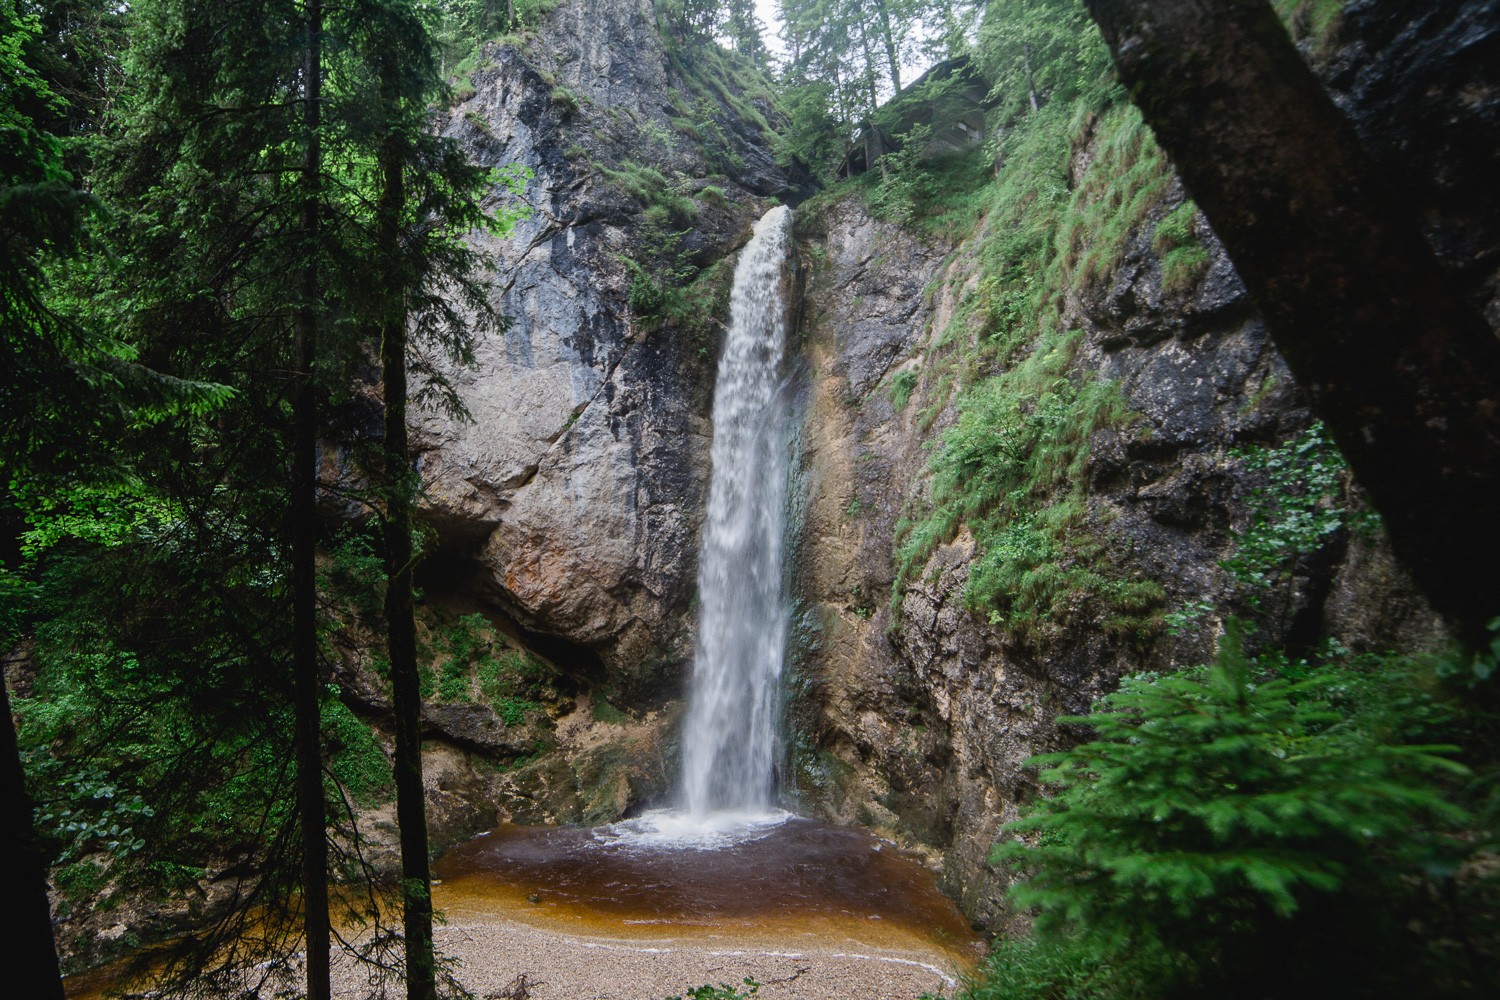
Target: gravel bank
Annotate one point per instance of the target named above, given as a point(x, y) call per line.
point(557, 966)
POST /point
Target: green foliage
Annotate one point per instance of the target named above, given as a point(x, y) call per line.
point(1034, 968)
point(903, 384)
point(1317, 20)
point(152, 583)
point(355, 571)
point(1183, 258)
point(146, 737)
point(79, 881)
point(462, 27)
point(604, 712)
point(1127, 178)
point(1295, 510)
point(660, 271)
point(704, 122)
point(474, 657)
point(565, 99)
point(356, 759)
point(716, 78)
point(723, 991)
point(1012, 470)
point(1230, 829)
point(906, 184)
point(1040, 50)
point(813, 136)
point(1009, 470)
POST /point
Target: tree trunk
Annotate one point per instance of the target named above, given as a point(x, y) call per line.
point(401, 633)
point(304, 532)
point(1404, 374)
point(872, 89)
point(1031, 94)
point(889, 38)
point(27, 927)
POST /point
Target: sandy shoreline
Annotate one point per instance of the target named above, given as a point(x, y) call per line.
point(494, 952)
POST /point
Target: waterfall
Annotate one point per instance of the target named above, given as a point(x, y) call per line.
point(730, 734)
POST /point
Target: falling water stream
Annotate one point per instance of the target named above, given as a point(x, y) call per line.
point(730, 734)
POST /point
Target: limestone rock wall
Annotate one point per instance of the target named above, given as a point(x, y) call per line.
point(578, 483)
point(920, 723)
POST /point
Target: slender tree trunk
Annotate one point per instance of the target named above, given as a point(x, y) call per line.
point(304, 531)
point(889, 38)
point(27, 926)
point(1404, 374)
point(871, 88)
point(401, 633)
point(1036, 104)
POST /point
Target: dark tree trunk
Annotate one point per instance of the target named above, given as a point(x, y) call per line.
point(1404, 374)
point(304, 532)
point(27, 927)
point(888, 37)
point(401, 633)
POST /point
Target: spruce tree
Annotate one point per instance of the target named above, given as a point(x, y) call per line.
point(219, 177)
point(427, 284)
point(1244, 836)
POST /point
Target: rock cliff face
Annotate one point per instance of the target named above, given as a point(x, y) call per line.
point(578, 483)
point(578, 487)
point(919, 722)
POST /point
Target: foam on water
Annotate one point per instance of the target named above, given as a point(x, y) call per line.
point(675, 830)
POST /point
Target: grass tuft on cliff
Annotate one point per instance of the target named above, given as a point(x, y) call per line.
point(1076, 180)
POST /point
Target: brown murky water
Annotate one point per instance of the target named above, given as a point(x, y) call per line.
point(777, 883)
point(784, 880)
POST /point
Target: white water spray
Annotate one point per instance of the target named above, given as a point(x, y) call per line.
point(731, 733)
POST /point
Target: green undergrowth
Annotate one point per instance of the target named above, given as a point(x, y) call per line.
point(460, 657)
point(1013, 467)
point(467, 26)
point(1261, 827)
point(466, 659)
point(1314, 20)
point(666, 287)
point(715, 75)
point(1184, 260)
point(1127, 176)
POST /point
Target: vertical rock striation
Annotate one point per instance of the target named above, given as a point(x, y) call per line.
point(578, 484)
point(918, 718)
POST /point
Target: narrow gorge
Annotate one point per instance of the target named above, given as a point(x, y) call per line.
point(804, 491)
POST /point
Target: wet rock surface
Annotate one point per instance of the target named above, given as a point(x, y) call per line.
point(921, 724)
point(578, 482)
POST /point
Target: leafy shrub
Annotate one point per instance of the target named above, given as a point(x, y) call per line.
point(356, 759)
point(723, 991)
point(1297, 509)
point(1238, 836)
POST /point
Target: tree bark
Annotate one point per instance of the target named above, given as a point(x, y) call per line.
point(888, 36)
point(401, 633)
point(1031, 94)
point(1405, 375)
point(27, 928)
point(304, 538)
